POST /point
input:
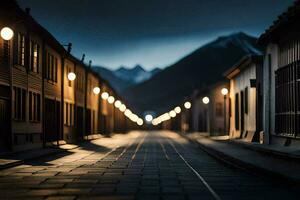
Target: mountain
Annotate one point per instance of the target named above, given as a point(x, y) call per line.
point(202, 67)
point(135, 75)
point(117, 83)
point(124, 77)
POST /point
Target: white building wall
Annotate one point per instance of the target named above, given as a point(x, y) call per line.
point(269, 67)
point(238, 84)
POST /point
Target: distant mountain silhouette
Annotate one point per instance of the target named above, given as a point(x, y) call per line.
point(202, 67)
point(134, 75)
point(124, 77)
point(117, 83)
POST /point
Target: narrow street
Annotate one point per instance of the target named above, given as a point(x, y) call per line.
point(139, 165)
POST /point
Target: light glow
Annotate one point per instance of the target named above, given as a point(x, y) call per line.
point(140, 122)
point(224, 91)
point(177, 109)
point(172, 114)
point(118, 104)
point(96, 90)
point(104, 95)
point(205, 100)
point(7, 33)
point(122, 108)
point(111, 100)
point(71, 76)
point(148, 118)
point(187, 105)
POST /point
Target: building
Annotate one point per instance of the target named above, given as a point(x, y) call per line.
point(47, 96)
point(281, 79)
point(246, 98)
point(208, 115)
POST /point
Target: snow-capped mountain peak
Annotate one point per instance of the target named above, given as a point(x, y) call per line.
point(240, 40)
point(135, 75)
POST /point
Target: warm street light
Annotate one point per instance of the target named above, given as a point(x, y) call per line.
point(104, 95)
point(71, 76)
point(205, 100)
point(187, 105)
point(118, 104)
point(148, 118)
point(122, 108)
point(224, 91)
point(177, 109)
point(172, 114)
point(111, 99)
point(96, 90)
point(7, 33)
point(140, 122)
point(128, 113)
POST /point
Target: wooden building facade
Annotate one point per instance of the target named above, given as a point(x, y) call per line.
point(39, 104)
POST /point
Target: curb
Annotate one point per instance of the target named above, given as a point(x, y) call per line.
point(237, 163)
point(282, 155)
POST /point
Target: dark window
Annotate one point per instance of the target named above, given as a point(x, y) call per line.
point(246, 100)
point(219, 109)
point(69, 114)
point(5, 57)
point(21, 49)
point(51, 68)
point(237, 117)
point(34, 57)
point(19, 104)
point(34, 107)
point(242, 105)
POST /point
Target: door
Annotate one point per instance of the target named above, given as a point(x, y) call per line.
point(52, 120)
point(4, 125)
point(88, 125)
point(79, 123)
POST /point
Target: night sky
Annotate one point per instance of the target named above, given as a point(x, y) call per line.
point(153, 33)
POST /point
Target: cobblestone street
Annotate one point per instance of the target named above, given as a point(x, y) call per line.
point(139, 165)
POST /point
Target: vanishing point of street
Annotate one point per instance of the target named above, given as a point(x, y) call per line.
point(137, 165)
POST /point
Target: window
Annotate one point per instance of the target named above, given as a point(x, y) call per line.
point(34, 57)
point(236, 105)
point(21, 49)
point(80, 81)
point(6, 53)
point(19, 104)
point(51, 67)
point(219, 109)
point(69, 114)
point(246, 100)
point(289, 53)
point(68, 71)
point(34, 107)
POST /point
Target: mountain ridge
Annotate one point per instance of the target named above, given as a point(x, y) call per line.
point(201, 68)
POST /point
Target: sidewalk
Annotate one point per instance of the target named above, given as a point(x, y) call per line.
point(283, 162)
point(18, 158)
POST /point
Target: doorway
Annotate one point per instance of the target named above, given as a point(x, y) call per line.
point(4, 125)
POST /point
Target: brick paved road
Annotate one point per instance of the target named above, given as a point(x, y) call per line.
point(139, 165)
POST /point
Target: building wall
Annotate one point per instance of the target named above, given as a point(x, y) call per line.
point(27, 132)
point(238, 84)
point(69, 102)
point(93, 103)
point(216, 110)
point(269, 67)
